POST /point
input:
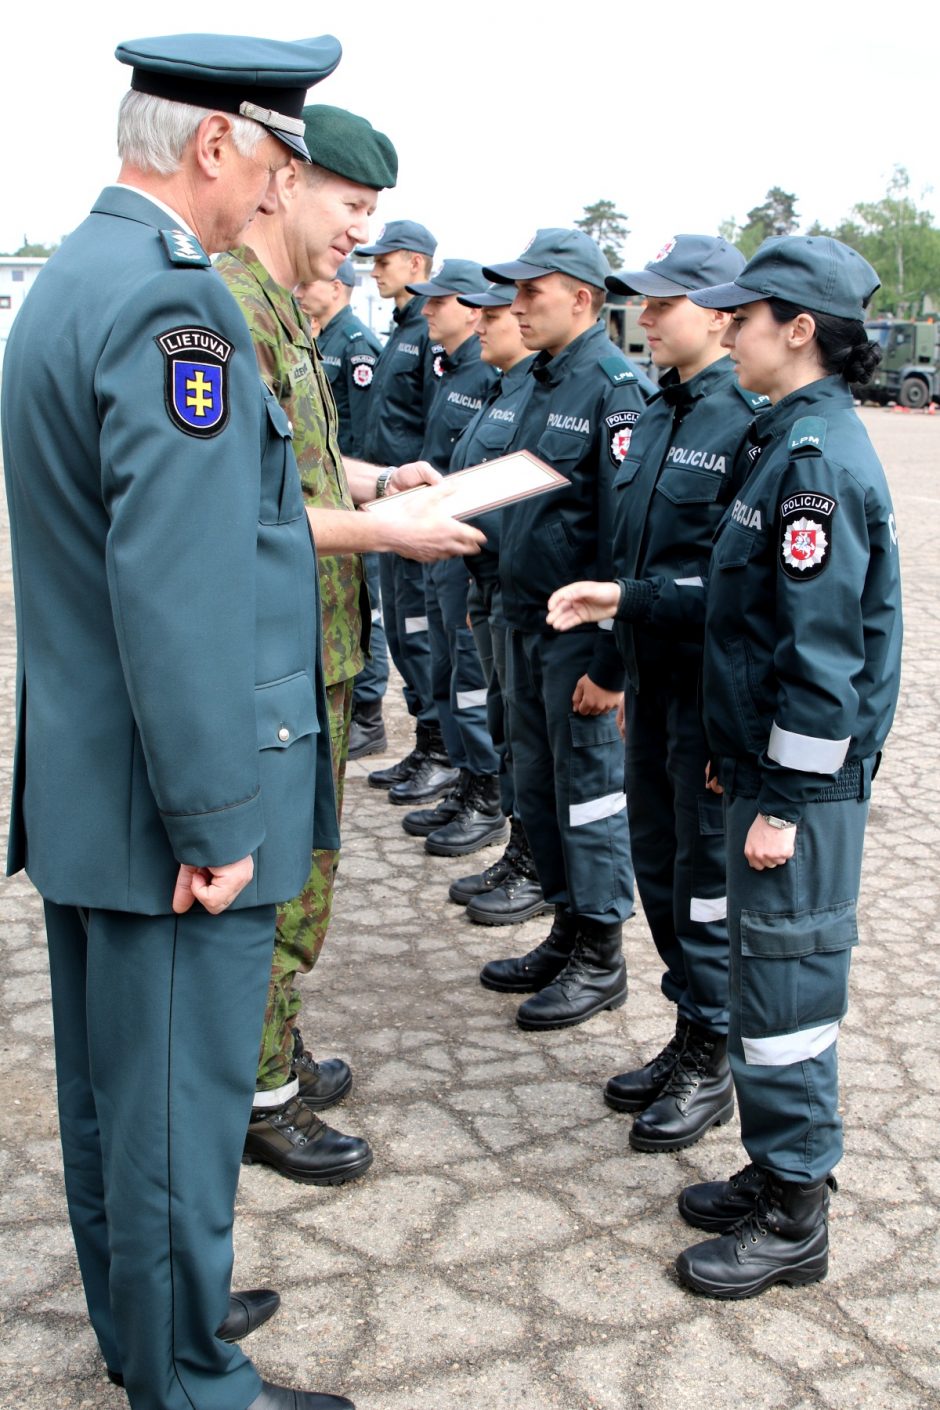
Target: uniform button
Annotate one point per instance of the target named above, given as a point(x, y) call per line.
point(283, 734)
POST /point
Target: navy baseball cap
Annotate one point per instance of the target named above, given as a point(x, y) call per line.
point(346, 274)
point(496, 296)
point(684, 263)
point(555, 251)
point(454, 276)
point(262, 79)
point(813, 271)
point(402, 235)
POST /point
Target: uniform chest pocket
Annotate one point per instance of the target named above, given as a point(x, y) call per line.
point(281, 498)
point(681, 486)
point(491, 439)
point(626, 474)
point(734, 546)
point(562, 450)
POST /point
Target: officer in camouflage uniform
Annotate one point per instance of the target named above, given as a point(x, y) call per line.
point(291, 1086)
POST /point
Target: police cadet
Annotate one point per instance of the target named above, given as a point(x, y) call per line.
point(469, 816)
point(508, 890)
point(171, 774)
point(402, 389)
point(563, 691)
point(801, 671)
point(682, 468)
point(349, 350)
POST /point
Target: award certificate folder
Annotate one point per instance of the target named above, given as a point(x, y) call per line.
point(478, 489)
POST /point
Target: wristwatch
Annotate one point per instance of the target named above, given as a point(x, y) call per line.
point(382, 479)
point(780, 823)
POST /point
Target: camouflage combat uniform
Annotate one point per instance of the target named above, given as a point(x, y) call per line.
point(291, 366)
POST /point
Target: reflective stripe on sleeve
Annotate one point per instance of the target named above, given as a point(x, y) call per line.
point(807, 753)
point(688, 582)
point(415, 624)
point(470, 699)
point(787, 1048)
point(596, 808)
point(708, 908)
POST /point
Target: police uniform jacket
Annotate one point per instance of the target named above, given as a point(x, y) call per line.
point(464, 382)
point(169, 692)
point(803, 615)
point(349, 350)
point(403, 385)
point(682, 468)
point(583, 403)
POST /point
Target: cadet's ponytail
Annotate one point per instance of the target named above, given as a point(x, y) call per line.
point(845, 349)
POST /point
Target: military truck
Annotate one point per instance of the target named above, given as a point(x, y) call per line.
point(621, 315)
point(909, 372)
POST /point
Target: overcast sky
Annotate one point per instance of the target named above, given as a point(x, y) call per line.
point(510, 115)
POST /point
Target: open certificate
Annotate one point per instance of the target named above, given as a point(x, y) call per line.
point(477, 490)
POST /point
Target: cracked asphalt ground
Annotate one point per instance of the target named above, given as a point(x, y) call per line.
point(507, 1250)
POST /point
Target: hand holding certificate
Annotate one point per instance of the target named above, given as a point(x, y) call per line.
point(477, 490)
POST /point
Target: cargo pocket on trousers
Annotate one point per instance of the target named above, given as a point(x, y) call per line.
point(794, 981)
point(596, 771)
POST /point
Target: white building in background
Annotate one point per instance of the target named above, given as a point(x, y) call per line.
point(16, 276)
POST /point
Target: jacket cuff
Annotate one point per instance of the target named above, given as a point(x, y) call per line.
point(218, 838)
point(636, 600)
point(607, 668)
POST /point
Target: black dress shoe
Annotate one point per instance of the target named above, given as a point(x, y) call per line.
point(322, 1084)
point(246, 1312)
point(280, 1398)
point(299, 1145)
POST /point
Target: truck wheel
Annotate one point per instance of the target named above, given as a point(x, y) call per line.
point(914, 393)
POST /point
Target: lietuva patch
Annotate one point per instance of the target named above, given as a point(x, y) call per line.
point(196, 382)
point(620, 425)
point(806, 534)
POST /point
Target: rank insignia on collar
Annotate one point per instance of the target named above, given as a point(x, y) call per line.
point(196, 384)
point(185, 249)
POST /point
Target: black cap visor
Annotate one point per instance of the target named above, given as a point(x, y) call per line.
point(511, 273)
point(651, 286)
point(487, 300)
point(726, 296)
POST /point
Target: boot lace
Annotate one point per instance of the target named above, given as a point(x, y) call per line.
point(297, 1122)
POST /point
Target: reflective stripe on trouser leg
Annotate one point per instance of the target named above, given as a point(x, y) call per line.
point(302, 923)
point(402, 610)
point(490, 639)
point(441, 670)
point(174, 1008)
point(467, 699)
point(792, 929)
point(577, 815)
point(372, 680)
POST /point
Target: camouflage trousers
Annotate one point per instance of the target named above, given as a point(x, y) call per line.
point(302, 923)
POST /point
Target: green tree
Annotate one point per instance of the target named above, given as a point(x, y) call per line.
point(903, 244)
point(605, 224)
point(776, 216)
point(29, 251)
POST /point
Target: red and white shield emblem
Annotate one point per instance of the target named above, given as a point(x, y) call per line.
point(438, 367)
point(804, 544)
point(620, 443)
point(667, 249)
point(362, 375)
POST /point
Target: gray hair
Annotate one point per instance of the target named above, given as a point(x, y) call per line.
point(153, 132)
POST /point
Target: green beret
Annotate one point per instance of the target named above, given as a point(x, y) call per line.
point(349, 145)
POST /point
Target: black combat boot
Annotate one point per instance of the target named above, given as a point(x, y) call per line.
point(697, 1094)
point(594, 978)
point(479, 822)
point(322, 1084)
point(635, 1090)
point(784, 1239)
point(717, 1205)
point(298, 1144)
point(367, 729)
point(516, 895)
point(531, 972)
point(405, 768)
point(482, 882)
point(433, 777)
point(425, 820)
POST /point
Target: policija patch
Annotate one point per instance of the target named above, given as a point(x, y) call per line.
point(196, 383)
point(362, 366)
point(806, 526)
point(620, 425)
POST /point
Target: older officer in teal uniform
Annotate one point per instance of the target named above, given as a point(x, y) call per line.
point(801, 674)
point(169, 752)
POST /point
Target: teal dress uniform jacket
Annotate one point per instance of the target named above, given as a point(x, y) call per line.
point(167, 703)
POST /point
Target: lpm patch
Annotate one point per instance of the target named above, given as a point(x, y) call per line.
point(196, 381)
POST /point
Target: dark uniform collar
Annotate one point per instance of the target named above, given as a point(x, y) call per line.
point(827, 394)
point(409, 311)
point(469, 351)
point(342, 316)
point(550, 370)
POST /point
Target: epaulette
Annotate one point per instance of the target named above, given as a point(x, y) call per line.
point(755, 400)
point(184, 249)
point(808, 436)
point(353, 334)
point(617, 370)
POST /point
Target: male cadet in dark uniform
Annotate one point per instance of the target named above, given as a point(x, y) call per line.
point(171, 773)
point(683, 466)
point(508, 890)
point(563, 691)
point(349, 351)
point(403, 386)
point(318, 211)
point(469, 817)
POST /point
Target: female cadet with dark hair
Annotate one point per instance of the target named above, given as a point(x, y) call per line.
point(801, 670)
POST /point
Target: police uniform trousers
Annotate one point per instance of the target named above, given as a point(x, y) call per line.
point(489, 635)
point(792, 929)
point(405, 618)
point(372, 680)
point(568, 774)
point(677, 841)
point(157, 1021)
point(457, 681)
